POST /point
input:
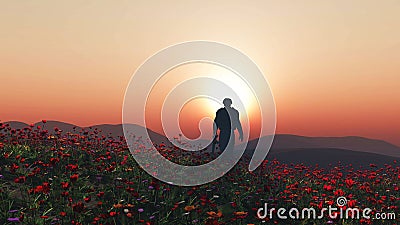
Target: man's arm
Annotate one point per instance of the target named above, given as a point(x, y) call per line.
point(215, 125)
point(215, 128)
point(239, 128)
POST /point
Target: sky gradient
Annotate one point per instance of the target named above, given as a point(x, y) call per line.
point(332, 65)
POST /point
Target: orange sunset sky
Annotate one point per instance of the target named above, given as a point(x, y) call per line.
point(333, 66)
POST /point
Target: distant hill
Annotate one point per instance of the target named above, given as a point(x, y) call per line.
point(328, 157)
point(114, 130)
point(287, 141)
point(16, 124)
point(285, 146)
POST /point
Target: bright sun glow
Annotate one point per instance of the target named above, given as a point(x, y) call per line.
point(235, 82)
point(176, 94)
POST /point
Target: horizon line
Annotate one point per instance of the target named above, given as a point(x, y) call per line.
point(116, 124)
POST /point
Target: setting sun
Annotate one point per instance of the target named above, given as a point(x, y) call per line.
point(176, 95)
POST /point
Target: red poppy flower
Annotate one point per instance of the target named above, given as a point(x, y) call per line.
point(74, 177)
point(78, 207)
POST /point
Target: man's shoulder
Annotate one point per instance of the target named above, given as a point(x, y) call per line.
point(235, 110)
point(220, 110)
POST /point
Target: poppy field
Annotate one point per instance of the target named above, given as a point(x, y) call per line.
point(48, 176)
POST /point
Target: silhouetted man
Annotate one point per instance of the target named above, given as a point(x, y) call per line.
point(227, 120)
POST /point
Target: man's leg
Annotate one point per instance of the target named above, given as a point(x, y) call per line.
point(223, 140)
point(226, 140)
point(231, 143)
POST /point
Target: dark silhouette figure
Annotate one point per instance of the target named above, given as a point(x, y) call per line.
point(227, 120)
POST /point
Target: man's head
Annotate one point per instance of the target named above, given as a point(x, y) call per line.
point(227, 102)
